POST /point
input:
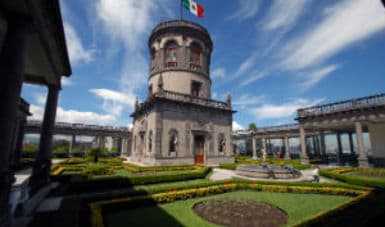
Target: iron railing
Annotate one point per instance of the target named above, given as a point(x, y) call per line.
point(63, 125)
point(176, 96)
point(359, 103)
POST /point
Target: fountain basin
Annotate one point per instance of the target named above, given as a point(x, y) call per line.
point(268, 171)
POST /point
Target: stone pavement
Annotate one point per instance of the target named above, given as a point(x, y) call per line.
point(221, 174)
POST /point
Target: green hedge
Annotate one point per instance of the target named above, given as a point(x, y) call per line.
point(89, 184)
point(339, 174)
point(98, 208)
point(226, 165)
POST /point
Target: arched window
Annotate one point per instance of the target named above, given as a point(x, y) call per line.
point(150, 90)
point(221, 142)
point(150, 141)
point(170, 54)
point(173, 140)
point(153, 58)
point(195, 56)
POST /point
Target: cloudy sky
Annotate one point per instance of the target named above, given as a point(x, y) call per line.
point(273, 56)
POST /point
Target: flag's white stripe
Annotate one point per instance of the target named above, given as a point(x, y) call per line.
point(193, 8)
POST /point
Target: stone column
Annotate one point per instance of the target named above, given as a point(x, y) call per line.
point(19, 143)
point(71, 145)
point(323, 145)
point(263, 149)
point(339, 150)
point(362, 158)
point(124, 147)
point(304, 157)
point(12, 61)
point(41, 170)
point(254, 148)
point(351, 143)
point(287, 147)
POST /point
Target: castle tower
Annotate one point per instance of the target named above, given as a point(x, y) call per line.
point(179, 123)
point(180, 54)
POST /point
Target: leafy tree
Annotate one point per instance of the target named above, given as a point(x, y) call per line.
point(253, 126)
point(30, 148)
point(96, 153)
point(60, 143)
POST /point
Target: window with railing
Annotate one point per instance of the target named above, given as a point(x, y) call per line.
point(196, 88)
point(171, 54)
point(195, 56)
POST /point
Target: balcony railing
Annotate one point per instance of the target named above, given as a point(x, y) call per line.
point(278, 128)
point(364, 102)
point(194, 66)
point(64, 125)
point(191, 99)
point(171, 64)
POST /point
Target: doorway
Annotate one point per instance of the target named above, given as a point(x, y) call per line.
point(199, 149)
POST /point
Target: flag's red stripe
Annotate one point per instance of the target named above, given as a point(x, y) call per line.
point(200, 10)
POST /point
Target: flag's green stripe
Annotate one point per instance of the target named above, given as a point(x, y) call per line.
point(186, 4)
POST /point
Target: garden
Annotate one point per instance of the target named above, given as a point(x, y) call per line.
point(110, 192)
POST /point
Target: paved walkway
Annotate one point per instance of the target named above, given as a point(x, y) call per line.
point(221, 174)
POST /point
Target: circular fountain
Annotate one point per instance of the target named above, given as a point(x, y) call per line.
point(268, 171)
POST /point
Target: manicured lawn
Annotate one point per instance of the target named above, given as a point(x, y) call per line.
point(375, 178)
point(298, 207)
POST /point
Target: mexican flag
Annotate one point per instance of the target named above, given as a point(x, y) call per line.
point(194, 7)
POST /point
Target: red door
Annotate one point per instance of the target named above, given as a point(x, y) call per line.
point(199, 149)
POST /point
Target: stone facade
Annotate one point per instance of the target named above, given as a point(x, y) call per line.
point(179, 123)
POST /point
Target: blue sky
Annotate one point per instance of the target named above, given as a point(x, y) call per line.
point(273, 56)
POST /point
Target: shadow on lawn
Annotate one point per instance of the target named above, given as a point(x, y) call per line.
point(75, 208)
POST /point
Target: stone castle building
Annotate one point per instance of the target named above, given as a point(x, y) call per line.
point(179, 123)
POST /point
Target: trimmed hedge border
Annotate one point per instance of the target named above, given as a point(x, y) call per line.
point(80, 183)
point(228, 165)
point(97, 208)
point(338, 174)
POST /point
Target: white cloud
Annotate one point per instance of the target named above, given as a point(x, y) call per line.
point(284, 13)
point(76, 50)
point(65, 81)
point(247, 9)
point(271, 111)
point(218, 72)
point(314, 77)
point(343, 25)
point(256, 76)
point(73, 116)
point(246, 65)
point(247, 100)
point(114, 102)
point(127, 20)
point(237, 126)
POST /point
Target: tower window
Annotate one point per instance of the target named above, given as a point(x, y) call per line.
point(221, 142)
point(150, 91)
point(153, 59)
point(196, 88)
point(195, 56)
point(171, 54)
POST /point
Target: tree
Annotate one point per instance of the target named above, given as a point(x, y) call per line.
point(96, 153)
point(253, 127)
